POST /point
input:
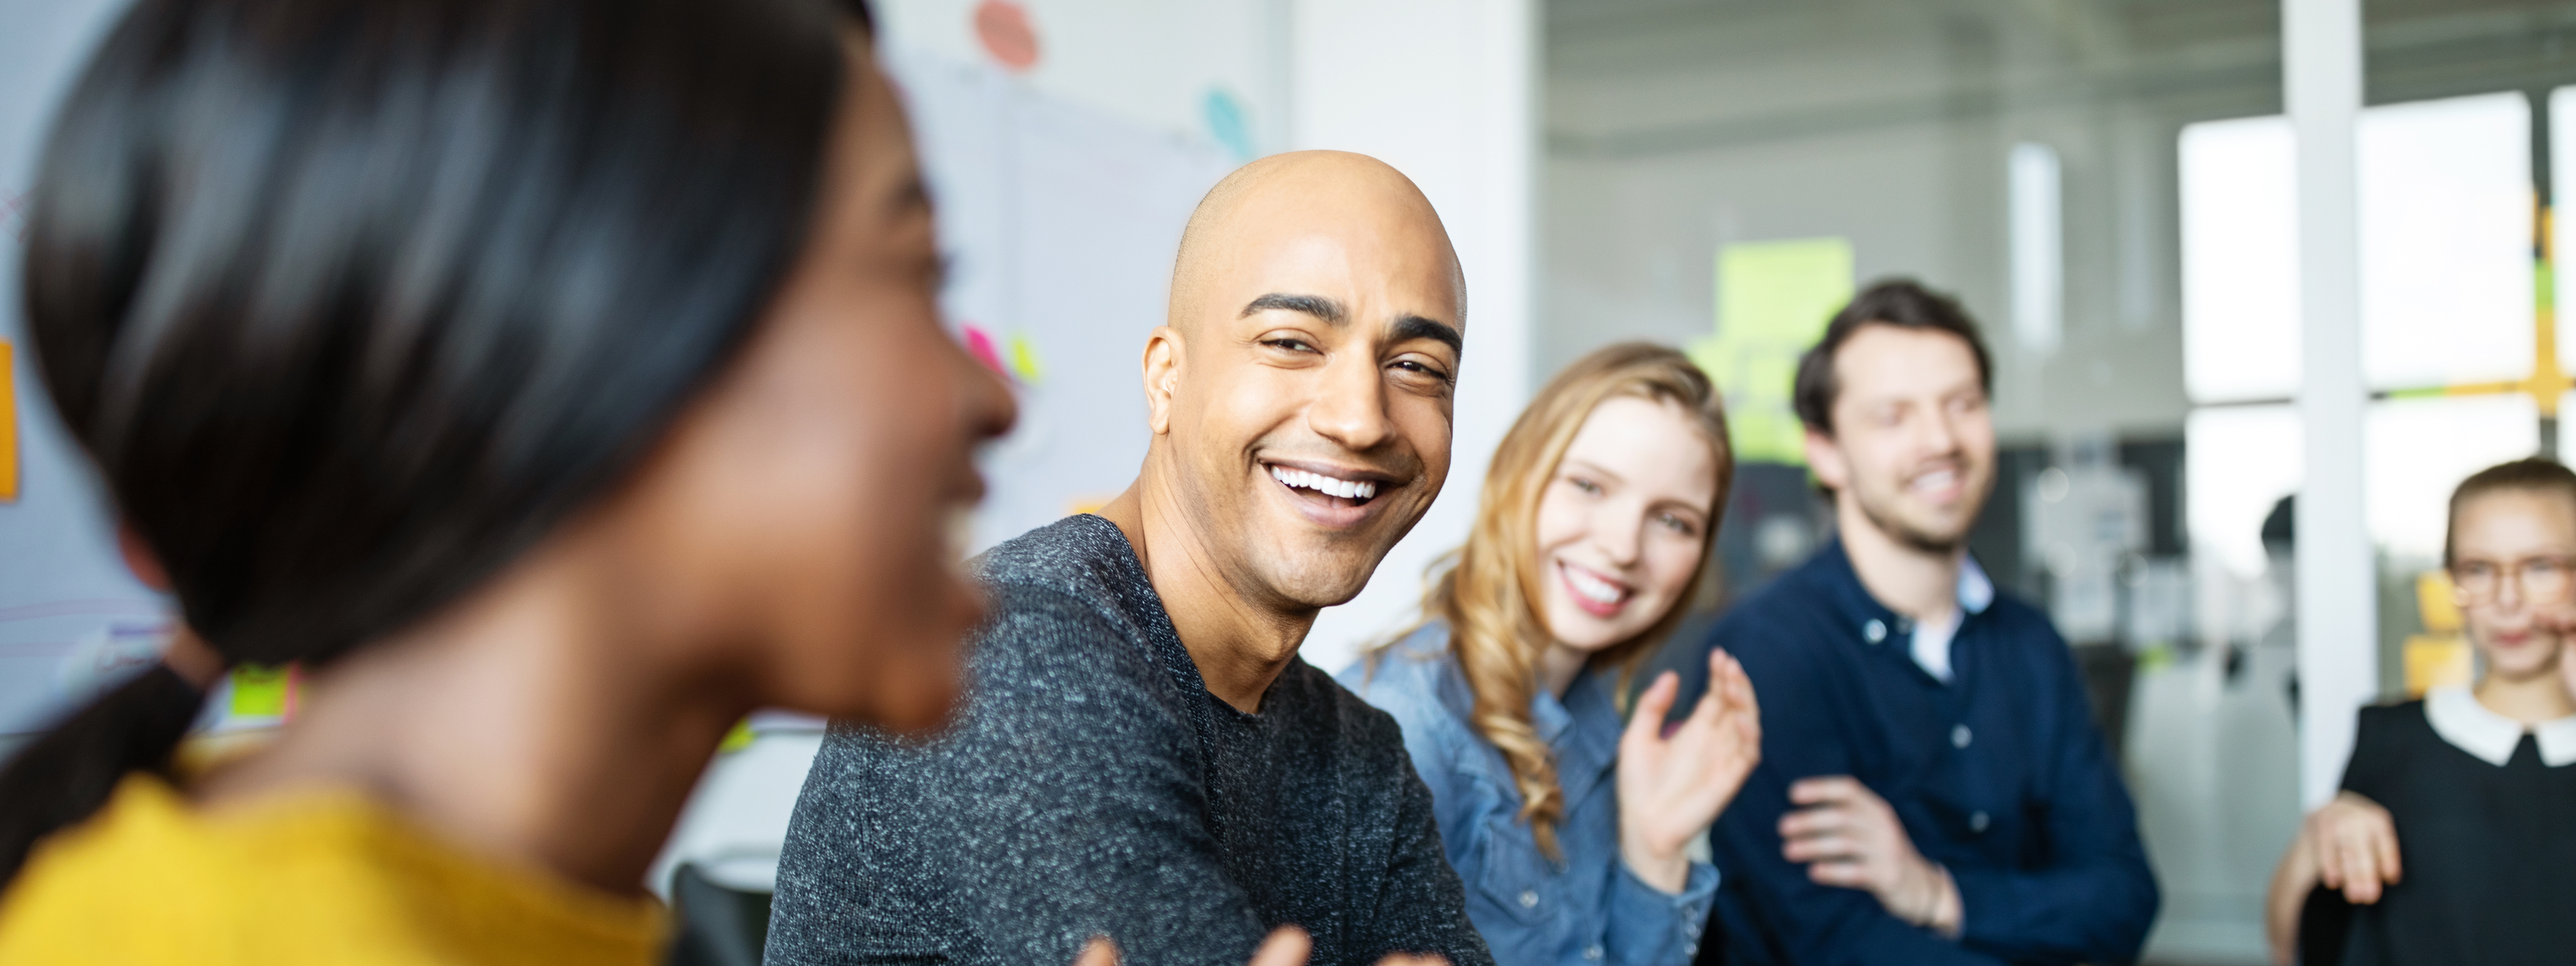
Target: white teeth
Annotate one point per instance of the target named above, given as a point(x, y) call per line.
point(1592, 588)
point(1346, 489)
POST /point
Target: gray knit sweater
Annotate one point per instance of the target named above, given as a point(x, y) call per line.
point(1092, 786)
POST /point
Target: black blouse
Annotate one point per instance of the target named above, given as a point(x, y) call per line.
point(2488, 852)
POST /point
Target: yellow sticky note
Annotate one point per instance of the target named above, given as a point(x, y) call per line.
point(737, 739)
point(259, 692)
point(2433, 599)
point(2436, 662)
point(1773, 299)
point(8, 424)
point(1024, 359)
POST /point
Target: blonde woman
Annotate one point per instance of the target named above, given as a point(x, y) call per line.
point(1595, 525)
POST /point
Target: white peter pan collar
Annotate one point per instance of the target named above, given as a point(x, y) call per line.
point(2456, 715)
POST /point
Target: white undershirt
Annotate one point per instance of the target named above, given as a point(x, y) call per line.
point(1931, 644)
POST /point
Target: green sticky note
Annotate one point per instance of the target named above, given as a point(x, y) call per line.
point(259, 692)
point(1773, 299)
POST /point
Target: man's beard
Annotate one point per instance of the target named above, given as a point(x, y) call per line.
point(1897, 528)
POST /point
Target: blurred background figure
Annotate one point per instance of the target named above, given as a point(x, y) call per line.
point(2115, 185)
point(2450, 841)
point(554, 385)
point(1932, 786)
point(1572, 830)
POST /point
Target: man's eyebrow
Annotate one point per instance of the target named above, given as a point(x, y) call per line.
point(1315, 305)
point(1413, 327)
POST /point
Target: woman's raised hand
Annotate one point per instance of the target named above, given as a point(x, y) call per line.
point(1673, 785)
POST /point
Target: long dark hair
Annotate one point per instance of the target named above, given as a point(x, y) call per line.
point(353, 301)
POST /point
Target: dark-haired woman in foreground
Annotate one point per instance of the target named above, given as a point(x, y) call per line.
point(557, 382)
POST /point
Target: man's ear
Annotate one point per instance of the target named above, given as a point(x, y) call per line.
point(1825, 459)
point(1163, 352)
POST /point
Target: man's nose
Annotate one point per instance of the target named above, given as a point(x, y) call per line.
point(1349, 407)
point(1938, 435)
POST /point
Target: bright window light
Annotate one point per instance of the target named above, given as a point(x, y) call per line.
point(2240, 297)
point(2038, 248)
point(2243, 460)
point(2562, 167)
point(2446, 232)
point(2415, 451)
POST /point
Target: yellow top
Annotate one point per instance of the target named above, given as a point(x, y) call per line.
point(318, 877)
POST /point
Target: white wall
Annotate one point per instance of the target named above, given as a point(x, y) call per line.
point(1444, 91)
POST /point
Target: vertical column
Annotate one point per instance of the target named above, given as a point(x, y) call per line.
point(1444, 90)
point(2337, 609)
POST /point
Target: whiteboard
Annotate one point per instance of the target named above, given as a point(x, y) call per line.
point(1059, 224)
point(71, 617)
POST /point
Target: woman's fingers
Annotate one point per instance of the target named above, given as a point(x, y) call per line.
point(1287, 946)
point(2360, 869)
point(1646, 724)
point(1101, 952)
point(2383, 845)
point(2329, 857)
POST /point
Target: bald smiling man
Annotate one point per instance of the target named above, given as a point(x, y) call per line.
point(1142, 756)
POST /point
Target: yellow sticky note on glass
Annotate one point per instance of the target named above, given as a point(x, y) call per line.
point(737, 739)
point(1024, 359)
point(259, 692)
point(1773, 299)
point(8, 424)
point(2435, 600)
point(2437, 661)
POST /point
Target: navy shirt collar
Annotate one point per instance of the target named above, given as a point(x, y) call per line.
point(1875, 625)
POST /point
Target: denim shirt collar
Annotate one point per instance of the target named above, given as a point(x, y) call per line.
point(1583, 729)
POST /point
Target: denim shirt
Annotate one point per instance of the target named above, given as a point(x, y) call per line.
point(1588, 910)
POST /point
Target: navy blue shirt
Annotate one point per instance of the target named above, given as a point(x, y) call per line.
point(1998, 774)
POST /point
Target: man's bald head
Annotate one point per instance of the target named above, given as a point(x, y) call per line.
point(1297, 200)
point(1302, 394)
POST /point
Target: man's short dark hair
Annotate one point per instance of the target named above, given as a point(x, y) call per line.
point(1902, 303)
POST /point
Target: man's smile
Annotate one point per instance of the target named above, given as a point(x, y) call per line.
point(1331, 496)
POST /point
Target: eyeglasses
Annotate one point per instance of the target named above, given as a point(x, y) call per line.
point(2541, 580)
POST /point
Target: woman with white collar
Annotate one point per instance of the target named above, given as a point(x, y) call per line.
point(2454, 838)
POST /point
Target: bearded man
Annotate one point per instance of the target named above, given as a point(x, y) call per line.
point(1932, 788)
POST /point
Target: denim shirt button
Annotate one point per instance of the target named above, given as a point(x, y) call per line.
point(1977, 822)
point(1959, 736)
point(1874, 631)
point(1690, 948)
point(1529, 898)
point(1592, 951)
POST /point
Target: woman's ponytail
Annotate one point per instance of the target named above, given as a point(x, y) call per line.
point(66, 775)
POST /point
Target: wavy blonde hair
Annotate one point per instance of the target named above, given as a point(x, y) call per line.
point(1487, 591)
